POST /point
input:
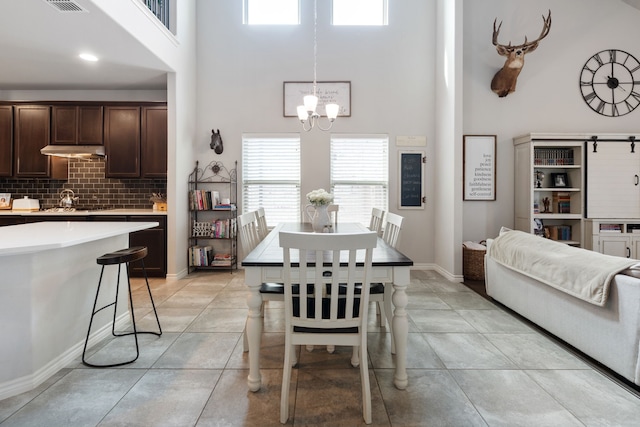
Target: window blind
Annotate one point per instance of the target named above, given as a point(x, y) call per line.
point(271, 176)
point(359, 175)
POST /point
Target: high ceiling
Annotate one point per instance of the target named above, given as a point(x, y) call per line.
point(39, 48)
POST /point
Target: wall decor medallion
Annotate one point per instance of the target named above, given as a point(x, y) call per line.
point(610, 82)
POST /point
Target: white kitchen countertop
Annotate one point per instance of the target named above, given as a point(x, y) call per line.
point(85, 212)
point(40, 236)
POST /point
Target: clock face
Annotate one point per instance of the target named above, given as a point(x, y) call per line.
point(610, 83)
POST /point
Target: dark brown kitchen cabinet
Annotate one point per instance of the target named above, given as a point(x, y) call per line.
point(31, 133)
point(6, 140)
point(11, 220)
point(155, 239)
point(122, 141)
point(154, 142)
point(60, 218)
point(76, 125)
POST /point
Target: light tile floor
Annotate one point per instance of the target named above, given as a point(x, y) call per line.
point(470, 363)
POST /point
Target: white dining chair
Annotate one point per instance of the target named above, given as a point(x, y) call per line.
point(319, 313)
point(333, 213)
point(249, 239)
point(377, 216)
point(261, 222)
point(248, 231)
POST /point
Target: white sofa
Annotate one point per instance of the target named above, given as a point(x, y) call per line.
point(609, 334)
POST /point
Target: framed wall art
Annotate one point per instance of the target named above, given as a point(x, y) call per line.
point(327, 92)
point(479, 167)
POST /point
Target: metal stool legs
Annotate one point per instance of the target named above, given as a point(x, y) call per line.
point(125, 256)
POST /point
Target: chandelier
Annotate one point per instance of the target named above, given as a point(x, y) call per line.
point(307, 113)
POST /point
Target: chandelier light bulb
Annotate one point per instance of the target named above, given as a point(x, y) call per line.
point(302, 113)
point(332, 111)
point(310, 103)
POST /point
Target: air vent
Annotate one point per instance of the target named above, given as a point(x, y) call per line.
point(65, 6)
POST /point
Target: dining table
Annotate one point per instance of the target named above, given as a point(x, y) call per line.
point(264, 264)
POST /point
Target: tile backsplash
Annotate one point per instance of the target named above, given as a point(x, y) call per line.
point(87, 180)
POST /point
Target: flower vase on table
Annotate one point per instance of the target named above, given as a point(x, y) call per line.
point(317, 211)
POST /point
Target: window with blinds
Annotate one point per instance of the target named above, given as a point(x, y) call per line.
point(271, 176)
point(359, 175)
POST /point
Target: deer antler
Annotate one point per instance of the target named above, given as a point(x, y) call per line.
point(546, 26)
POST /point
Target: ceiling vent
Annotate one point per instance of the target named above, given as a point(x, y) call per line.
point(65, 6)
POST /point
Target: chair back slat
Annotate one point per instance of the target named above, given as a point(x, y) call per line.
point(392, 227)
point(261, 223)
point(377, 217)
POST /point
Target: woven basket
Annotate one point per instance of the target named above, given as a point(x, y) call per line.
point(473, 263)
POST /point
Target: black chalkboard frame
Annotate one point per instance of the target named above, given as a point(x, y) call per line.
point(411, 166)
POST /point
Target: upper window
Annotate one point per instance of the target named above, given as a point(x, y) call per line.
point(359, 12)
point(359, 175)
point(271, 176)
point(271, 12)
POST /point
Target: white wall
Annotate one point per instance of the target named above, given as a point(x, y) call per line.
point(241, 70)
point(547, 98)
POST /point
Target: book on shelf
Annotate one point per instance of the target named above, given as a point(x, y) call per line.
point(222, 260)
point(562, 203)
point(553, 157)
point(229, 206)
point(200, 255)
point(611, 228)
point(633, 228)
point(202, 200)
point(558, 232)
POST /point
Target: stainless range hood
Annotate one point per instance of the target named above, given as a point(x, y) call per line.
point(74, 151)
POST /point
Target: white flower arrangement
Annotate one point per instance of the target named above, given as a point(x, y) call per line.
point(319, 197)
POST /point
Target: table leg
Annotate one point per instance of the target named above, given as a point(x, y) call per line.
point(254, 328)
point(400, 333)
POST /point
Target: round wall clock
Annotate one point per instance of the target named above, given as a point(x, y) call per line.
point(610, 82)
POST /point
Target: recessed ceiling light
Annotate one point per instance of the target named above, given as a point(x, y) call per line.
point(88, 57)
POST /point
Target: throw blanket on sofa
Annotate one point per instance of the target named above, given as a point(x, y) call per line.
point(579, 272)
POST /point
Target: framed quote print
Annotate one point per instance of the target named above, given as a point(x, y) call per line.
point(479, 167)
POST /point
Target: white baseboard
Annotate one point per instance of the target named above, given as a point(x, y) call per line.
point(29, 382)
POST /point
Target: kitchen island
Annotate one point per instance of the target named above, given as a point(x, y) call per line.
point(48, 280)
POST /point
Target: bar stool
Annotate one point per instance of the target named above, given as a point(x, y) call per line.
point(123, 256)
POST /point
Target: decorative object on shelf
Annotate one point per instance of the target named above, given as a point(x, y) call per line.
point(307, 112)
point(504, 81)
point(317, 210)
point(216, 141)
point(609, 83)
point(539, 178)
point(546, 203)
point(559, 180)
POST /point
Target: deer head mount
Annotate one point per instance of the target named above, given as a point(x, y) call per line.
point(504, 82)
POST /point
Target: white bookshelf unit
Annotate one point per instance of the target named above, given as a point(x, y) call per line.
point(549, 183)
